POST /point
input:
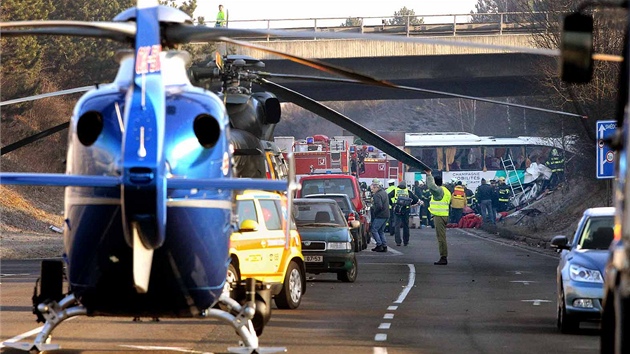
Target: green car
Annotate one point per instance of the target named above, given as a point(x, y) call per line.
point(327, 243)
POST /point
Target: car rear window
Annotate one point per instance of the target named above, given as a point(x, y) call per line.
point(328, 186)
point(597, 233)
point(341, 200)
point(318, 212)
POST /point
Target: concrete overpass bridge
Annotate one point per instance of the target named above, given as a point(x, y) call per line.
point(467, 71)
point(481, 75)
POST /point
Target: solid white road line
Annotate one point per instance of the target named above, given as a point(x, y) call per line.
point(153, 348)
point(506, 244)
point(381, 337)
point(397, 253)
point(410, 282)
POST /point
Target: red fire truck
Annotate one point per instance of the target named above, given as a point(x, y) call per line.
point(320, 154)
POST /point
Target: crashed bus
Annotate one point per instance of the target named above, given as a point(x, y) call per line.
point(527, 163)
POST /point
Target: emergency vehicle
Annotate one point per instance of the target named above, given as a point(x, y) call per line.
point(319, 154)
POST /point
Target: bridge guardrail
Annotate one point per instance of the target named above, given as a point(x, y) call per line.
point(439, 25)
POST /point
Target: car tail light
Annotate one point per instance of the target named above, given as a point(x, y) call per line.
point(351, 217)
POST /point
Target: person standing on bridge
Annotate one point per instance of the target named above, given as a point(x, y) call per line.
point(438, 206)
point(221, 18)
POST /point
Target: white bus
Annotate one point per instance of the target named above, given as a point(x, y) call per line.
point(469, 157)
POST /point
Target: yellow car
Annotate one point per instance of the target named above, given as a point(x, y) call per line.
point(259, 249)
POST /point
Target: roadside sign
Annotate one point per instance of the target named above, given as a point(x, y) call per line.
point(605, 155)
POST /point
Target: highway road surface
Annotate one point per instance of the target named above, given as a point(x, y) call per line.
point(494, 296)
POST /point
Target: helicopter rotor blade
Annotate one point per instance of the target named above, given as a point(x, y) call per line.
point(33, 138)
point(187, 33)
point(181, 33)
point(315, 64)
point(344, 122)
point(46, 95)
point(118, 31)
point(416, 89)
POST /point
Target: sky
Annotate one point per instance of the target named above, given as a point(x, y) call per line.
point(283, 9)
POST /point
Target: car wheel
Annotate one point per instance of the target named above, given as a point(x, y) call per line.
point(349, 276)
point(566, 323)
point(231, 278)
point(292, 288)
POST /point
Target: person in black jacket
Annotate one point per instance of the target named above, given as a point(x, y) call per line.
point(380, 214)
point(484, 195)
point(403, 200)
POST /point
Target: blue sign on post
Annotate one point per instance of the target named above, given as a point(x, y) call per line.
point(605, 155)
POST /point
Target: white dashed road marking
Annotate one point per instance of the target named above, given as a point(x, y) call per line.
point(524, 282)
point(536, 302)
point(381, 337)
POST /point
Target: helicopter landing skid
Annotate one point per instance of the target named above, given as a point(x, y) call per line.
point(54, 313)
point(239, 317)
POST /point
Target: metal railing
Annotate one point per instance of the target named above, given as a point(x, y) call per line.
point(418, 25)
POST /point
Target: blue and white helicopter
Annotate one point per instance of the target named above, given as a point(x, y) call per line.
point(150, 182)
point(149, 191)
point(149, 187)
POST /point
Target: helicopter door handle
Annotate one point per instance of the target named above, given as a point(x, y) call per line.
point(141, 175)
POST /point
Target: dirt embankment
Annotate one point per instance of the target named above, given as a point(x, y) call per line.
point(556, 213)
point(26, 214)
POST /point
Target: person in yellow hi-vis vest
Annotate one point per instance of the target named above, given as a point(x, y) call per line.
point(221, 18)
point(438, 206)
point(390, 222)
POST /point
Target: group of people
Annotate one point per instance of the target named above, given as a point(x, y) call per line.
point(492, 198)
point(391, 206)
point(394, 204)
point(438, 205)
point(461, 197)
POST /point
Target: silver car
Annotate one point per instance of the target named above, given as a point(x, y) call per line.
point(580, 274)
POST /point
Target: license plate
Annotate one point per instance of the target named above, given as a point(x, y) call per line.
point(313, 258)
